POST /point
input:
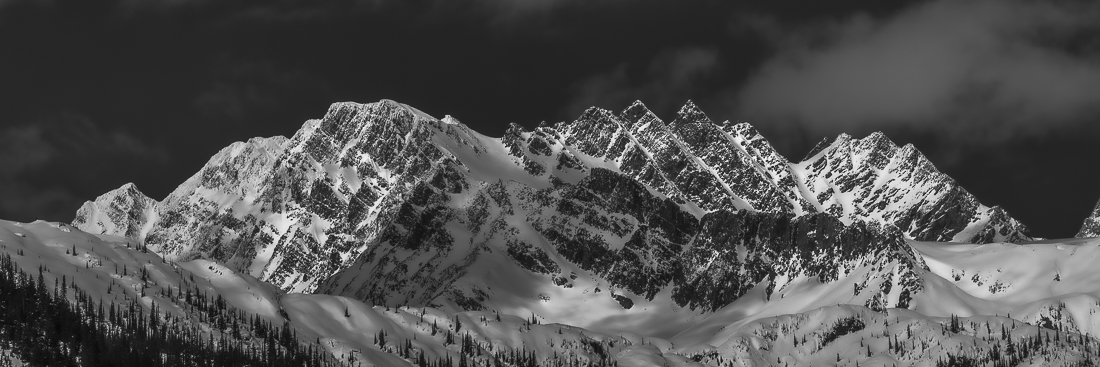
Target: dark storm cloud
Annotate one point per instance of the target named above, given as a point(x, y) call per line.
point(1003, 96)
point(244, 90)
point(500, 12)
point(989, 70)
point(663, 83)
point(50, 165)
point(511, 12)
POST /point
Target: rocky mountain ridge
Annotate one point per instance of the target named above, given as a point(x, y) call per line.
point(386, 204)
point(1091, 225)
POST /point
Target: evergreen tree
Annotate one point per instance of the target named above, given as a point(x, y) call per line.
point(44, 328)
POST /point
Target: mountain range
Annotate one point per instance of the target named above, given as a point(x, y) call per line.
point(686, 242)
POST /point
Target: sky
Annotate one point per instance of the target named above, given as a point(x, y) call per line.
point(1003, 96)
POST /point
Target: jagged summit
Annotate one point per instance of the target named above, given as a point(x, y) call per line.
point(129, 187)
point(384, 203)
point(874, 179)
point(1091, 226)
point(611, 239)
point(636, 112)
point(690, 113)
point(122, 212)
point(381, 105)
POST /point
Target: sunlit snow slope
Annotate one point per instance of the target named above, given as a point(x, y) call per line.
point(801, 324)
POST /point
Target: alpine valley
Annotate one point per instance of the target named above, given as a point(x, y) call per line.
point(379, 235)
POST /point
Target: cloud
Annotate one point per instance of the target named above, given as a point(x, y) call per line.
point(499, 11)
point(510, 11)
point(667, 81)
point(523, 7)
point(244, 90)
point(52, 165)
point(985, 69)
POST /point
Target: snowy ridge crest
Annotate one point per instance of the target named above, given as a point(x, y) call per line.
point(1091, 226)
point(386, 204)
point(122, 212)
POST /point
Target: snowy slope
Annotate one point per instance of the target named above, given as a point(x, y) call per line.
point(843, 335)
point(800, 324)
point(1046, 282)
point(115, 271)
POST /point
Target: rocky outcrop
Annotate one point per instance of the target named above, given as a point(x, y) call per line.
point(614, 230)
point(873, 179)
point(215, 213)
point(387, 204)
point(123, 212)
point(1091, 226)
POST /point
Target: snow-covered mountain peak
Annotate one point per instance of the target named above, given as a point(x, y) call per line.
point(411, 109)
point(129, 188)
point(450, 120)
point(123, 212)
point(1091, 225)
point(690, 113)
point(599, 116)
point(609, 224)
point(384, 203)
point(873, 179)
point(637, 105)
point(637, 113)
point(234, 168)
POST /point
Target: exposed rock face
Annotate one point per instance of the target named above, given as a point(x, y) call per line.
point(1091, 226)
point(390, 205)
point(612, 229)
point(214, 214)
point(873, 179)
point(123, 212)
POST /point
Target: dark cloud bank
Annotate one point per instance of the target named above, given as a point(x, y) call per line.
point(54, 164)
point(987, 70)
point(1001, 95)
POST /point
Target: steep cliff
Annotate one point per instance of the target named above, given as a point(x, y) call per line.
point(390, 205)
